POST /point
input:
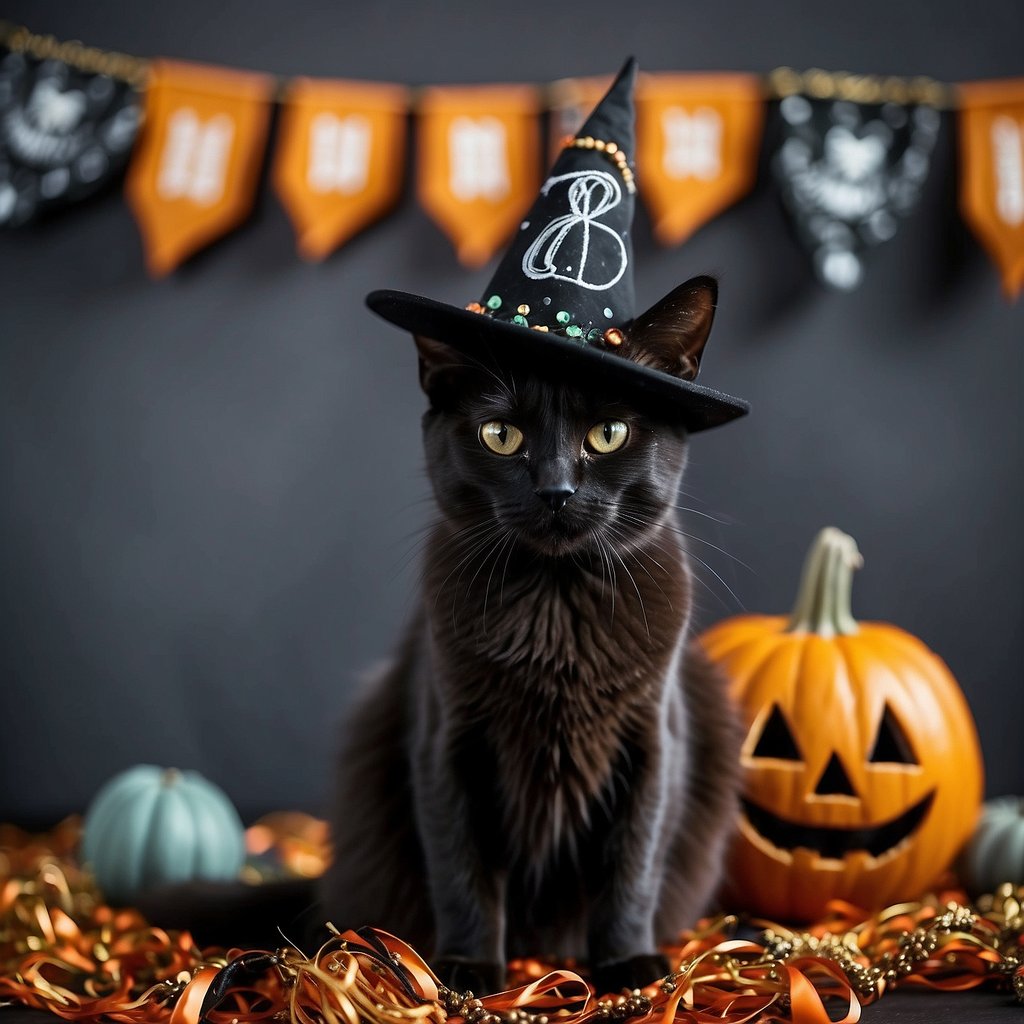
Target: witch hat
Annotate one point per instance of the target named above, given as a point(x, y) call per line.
point(562, 297)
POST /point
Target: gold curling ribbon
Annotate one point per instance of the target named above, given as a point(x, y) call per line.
point(340, 158)
point(478, 163)
point(64, 951)
point(194, 172)
point(991, 137)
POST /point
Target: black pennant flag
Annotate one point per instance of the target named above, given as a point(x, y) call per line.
point(63, 134)
point(848, 172)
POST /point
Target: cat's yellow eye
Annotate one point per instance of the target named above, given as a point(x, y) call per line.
point(607, 436)
point(501, 438)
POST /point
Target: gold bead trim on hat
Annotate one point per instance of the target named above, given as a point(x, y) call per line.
point(611, 150)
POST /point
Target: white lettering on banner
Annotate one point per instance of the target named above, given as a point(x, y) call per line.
point(563, 247)
point(1008, 162)
point(339, 153)
point(693, 143)
point(478, 158)
point(194, 161)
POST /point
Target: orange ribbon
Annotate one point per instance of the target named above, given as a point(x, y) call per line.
point(340, 159)
point(478, 168)
point(196, 165)
point(991, 133)
point(63, 951)
point(697, 147)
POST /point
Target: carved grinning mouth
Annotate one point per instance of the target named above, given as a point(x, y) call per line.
point(834, 843)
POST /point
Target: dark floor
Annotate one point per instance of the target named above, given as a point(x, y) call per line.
point(907, 1007)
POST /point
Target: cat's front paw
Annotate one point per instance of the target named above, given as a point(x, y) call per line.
point(481, 977)
point(636, 972)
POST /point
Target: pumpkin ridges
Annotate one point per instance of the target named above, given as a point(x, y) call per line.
point(140, 831)
point(719, 642)
point(834, 692)
point(119, 857)
point(210, 808)
point(108, 805)
point(962, 791)
point(171, 834)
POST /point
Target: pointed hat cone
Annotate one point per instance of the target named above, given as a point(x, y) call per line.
point(567, 278)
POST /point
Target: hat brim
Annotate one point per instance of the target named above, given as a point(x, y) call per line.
point(696, 407)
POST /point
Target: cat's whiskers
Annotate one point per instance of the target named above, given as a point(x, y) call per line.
point(504, 571)
point(488, 530)
point(418, 539)
point(640, 596)
point(606, 563)
point(464, 535)
point(509, 536)
point(673, 526)
point(636, 558)
point(509, 386)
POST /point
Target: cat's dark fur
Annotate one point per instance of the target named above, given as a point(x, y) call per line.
point(547, 766)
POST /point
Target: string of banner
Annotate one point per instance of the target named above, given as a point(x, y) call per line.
point(853, 155)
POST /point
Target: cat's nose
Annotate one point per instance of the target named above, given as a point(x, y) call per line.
point(555, 496)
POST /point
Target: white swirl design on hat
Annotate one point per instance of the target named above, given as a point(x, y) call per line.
point(565, 241)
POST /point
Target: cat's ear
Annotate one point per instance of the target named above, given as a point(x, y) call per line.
point(441, 368)
point(671, 335)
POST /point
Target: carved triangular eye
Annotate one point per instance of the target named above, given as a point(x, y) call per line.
point(777, 739)
point(891, 743)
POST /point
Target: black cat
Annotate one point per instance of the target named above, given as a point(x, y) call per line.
point(548, 766)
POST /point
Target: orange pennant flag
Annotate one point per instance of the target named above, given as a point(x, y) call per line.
point(194, 172)
point(697, 141)
point(478, 156)
point(992, 172)
point(340, 158)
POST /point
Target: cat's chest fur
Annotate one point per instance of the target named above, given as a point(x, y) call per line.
point(556, 685)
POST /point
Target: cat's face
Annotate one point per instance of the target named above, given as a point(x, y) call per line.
point(563, 470)
point(513, 454)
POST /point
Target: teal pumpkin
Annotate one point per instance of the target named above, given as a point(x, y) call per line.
point(153, 826)
point(995, 853)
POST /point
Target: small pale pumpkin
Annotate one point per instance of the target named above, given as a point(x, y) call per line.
point(153, 826)
point(862, 764)
point(995, 853)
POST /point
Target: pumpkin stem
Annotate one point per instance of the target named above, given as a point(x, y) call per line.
point(823, 602)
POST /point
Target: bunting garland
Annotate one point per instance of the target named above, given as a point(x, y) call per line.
point(195, 170)
point(66, 133)
point(992, 172)
point(697, 139)
point(478, 169)
point(340, 159)
point(853, 156)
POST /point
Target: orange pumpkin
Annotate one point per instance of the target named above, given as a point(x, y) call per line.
point(863, 769)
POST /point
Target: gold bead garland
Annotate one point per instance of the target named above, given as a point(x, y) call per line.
point(841, 85)
point(611, 150)
point(88, 59)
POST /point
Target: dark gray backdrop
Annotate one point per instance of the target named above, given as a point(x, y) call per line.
point(209, 483)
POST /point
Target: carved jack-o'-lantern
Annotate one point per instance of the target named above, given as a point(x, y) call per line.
point(863, 770)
